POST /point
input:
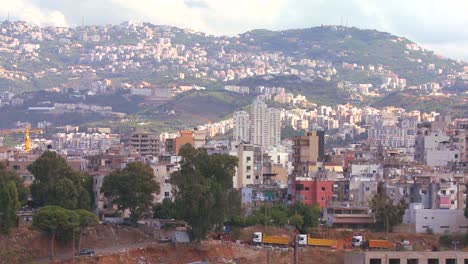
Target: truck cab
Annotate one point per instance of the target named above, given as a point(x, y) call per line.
point(302, 240)
point(357, 241)
point(257, 238)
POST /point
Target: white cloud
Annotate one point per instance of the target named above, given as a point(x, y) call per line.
point(32, 13)
point(219, 17)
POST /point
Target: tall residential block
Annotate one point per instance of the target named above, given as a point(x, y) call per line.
point(259, 124)
point(261, 127)
point(241, 121)
point(274, 123)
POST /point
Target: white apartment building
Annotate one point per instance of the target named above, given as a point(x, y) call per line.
point(265, 125)
point(440, 221)
point(241, 121)
point(274, 120)
point(261, 127)
point(162, 174)
point(250, 166)
point(259, 124)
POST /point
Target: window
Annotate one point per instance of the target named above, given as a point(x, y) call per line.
point(375, 261)
point(299, 187)
point(444, 192)
point(432, 261)
point(444, 226)
point(367, 189)
point(249, 158)
point(452, 191)
point(307, 188)
point(424, 191)
point(257, 177)
point(394, 261)
point(248, 176)
point(166, 194)
point(452, 202)
point(450, 261)
point(412, 261)
point(249, 168)
point(323, 189)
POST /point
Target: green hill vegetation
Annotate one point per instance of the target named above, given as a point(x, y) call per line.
point(410, 100)
point(352, 45)
point(318, 91)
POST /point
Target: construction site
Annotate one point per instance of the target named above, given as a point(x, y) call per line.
point(117, 244)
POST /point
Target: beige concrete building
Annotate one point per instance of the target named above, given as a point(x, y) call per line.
point(307, 150)
point(145, 143)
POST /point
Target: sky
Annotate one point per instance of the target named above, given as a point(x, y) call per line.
point(438, 25)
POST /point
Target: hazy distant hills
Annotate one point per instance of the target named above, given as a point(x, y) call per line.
point(69, 58)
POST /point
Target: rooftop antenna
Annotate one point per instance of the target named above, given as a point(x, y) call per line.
point(82, 21)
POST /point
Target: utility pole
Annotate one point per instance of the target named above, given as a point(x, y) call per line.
point(73, 249)
point(296, 249)
point(387, 224)
point(455, 245)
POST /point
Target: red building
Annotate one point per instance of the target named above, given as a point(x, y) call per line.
point(313, 192)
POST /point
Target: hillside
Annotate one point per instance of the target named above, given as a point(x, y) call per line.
point(318, 91)
point(352, 45)
point(456, 106)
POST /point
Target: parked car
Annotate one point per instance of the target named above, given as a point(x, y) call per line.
point(86, 252)
point(164, 239)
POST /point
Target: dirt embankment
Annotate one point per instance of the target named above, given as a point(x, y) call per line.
point(215, 252)
point(24, 245)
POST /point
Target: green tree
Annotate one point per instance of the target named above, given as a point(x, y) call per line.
point(310, 214)
point(300, 215)
point(279, 215)
point(9, 205)
point(8, 175)
point(203, 193)
point(164, 210)
point(54, 219)
point(85, 219)
point(56, 183)
point(132, 188)
point(387, 214)
point(297, 220)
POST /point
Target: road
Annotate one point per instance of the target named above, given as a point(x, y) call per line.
point(99, 251)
